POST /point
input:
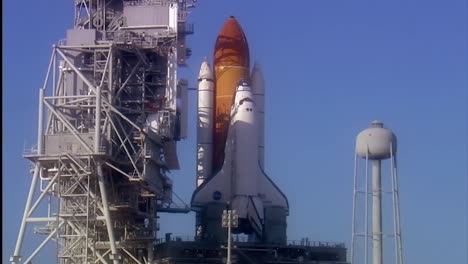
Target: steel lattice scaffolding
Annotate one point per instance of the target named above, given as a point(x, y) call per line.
point(110, 113)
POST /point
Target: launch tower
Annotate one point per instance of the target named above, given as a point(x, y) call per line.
point(111, 110)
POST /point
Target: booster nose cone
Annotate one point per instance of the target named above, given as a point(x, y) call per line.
point(256, 79)
point(257, 66)
point(205, 71)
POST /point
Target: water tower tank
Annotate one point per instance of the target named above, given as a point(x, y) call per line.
point(376, 142)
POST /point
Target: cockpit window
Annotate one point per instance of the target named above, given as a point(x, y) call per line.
point(243, 88)
point(245, 100)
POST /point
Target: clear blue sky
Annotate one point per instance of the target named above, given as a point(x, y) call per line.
point(331, 67)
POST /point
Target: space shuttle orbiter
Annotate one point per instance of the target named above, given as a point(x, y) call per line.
point(239, 182)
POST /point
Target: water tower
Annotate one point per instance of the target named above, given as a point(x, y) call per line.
point(374, 146)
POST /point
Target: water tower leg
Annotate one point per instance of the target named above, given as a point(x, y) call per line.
point(353, 225)
point(376, 213)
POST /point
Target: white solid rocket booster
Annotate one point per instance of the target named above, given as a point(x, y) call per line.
point(205, 122)
point(258, 88)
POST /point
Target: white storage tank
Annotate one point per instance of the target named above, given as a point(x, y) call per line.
point(376, 142)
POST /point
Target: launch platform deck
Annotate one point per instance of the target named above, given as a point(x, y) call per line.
point(187, 252)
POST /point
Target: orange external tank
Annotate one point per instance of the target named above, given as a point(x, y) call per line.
point(231, 64)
